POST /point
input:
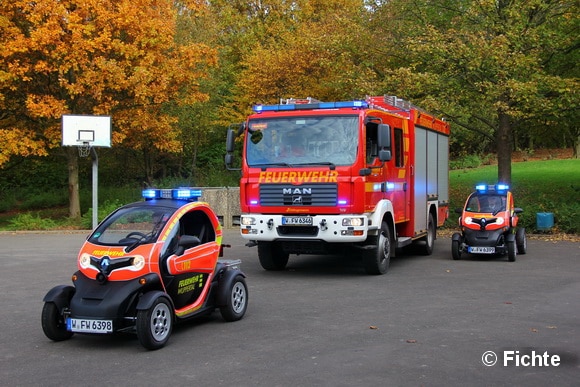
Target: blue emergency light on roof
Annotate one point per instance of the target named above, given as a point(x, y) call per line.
point(189, 194)
point(499, 188)
point(310, 106)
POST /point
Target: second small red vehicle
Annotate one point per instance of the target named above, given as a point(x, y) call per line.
point(146, 266)
point(489, 224)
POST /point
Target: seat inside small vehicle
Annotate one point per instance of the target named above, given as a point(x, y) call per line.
point(198, 224)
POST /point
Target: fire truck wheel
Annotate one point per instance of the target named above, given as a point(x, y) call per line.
point(272, 256)
point(521, 241)
point(377, 259)
point(511, 247)
point(430, 237)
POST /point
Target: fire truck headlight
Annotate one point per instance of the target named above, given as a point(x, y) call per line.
point(247, 221)
point(468, 220)
point(353, 221)
point(499, 221)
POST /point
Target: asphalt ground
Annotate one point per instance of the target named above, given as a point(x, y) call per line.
point(430, 321)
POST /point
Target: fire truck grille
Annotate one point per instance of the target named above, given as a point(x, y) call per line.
point(298, 230)
point(299, 195)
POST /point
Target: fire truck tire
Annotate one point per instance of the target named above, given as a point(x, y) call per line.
point(521, 241)
point(376, 260)
point(511, 248)
point(430, 237)
point(271, 256)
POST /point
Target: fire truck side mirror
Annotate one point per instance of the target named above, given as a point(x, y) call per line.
point(384, 142)
point(230, 141)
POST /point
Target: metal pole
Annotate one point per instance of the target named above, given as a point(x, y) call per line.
point(95, 187)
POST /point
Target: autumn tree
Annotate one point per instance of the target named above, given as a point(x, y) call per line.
point(95, 57)
point(488, 65)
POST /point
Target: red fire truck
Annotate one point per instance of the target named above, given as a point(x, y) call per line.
point(326, 177)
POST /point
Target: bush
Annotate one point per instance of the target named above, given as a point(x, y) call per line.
point(103, 210)
point(29, 222)
point(469, 161)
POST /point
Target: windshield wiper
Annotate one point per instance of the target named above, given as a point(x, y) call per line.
point(266, 165)
point(331, 165)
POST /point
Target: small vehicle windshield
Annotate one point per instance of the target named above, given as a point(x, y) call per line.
point(486, 203)
point(294, 141)
point(132, 225)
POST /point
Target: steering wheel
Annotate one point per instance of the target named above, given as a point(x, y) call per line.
point(136, 233)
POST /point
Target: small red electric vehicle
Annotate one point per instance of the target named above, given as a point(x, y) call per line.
point(146, 266)
point(488, 224)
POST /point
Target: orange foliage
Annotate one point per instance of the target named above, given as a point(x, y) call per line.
point(101, 57)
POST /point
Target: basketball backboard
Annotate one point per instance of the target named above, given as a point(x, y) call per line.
point(94, 131)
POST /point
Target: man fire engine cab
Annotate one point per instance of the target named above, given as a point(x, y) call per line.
point(323, 177)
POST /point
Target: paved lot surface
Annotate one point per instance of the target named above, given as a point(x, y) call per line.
point(428, 322)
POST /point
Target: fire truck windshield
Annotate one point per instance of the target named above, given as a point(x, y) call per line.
point(323, 140)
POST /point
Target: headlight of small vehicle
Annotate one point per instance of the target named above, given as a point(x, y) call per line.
point(138, 262)
point(85, 261)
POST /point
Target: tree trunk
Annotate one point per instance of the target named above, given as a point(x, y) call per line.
point(73, 182)
point(504, 149)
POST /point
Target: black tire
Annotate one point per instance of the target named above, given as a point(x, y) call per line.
point(53, 323)
point(521, 241)
point(430, 237)
point(154, 325)
point(456, 249)
point(376, 261)
point(237, 301)
point(271, 256)
point(511, 247)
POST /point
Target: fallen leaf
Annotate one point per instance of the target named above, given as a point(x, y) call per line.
point(551, 327)
point(534, 330)
point(508, 302)
point(373, 327)
point(411, 341)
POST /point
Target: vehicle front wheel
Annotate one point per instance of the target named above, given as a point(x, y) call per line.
point(521, 240)
point(272, 256)
point(53, 323)
point(511, 247)
point(154, 325)
point(377, 259)
point(237, 301)
point(456, 249)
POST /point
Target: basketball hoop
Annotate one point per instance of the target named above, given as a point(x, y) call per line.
point(84, 149)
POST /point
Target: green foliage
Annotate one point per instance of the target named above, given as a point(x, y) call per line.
point(105, 209)
point(29, 221)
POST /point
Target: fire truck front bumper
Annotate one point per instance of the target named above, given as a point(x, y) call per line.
point(329, 228)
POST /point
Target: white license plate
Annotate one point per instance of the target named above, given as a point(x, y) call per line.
point(297, 220)
point(82, 325)
point(481, 250)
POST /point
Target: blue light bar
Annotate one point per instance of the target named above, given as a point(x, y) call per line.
point(481, 188)
point(500, 188)
point(150, 194)
point(177, 194)
point(186, 194)
point(310, 106)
